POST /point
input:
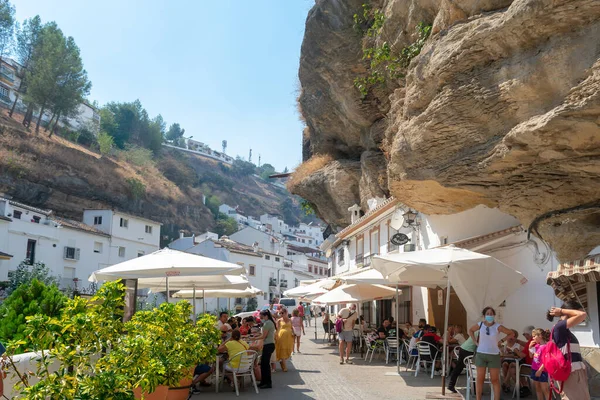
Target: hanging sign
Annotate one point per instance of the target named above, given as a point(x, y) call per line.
point(440, 294)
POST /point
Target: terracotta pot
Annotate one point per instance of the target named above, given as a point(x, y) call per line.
point(160, 393)
point(182, 391)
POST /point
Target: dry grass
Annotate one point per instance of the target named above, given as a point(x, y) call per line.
point(307, 168)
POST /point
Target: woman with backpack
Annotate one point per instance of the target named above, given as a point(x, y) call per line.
point(575, 386)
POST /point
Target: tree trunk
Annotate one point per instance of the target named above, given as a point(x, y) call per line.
point(54, 127)
point(28, 115)
point(39, 121)
point(12, 109)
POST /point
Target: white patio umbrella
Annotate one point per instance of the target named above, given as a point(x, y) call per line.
point(354, 293)
point(478, 279)
point(166, 263)
point(229, 293)
point(371, 276)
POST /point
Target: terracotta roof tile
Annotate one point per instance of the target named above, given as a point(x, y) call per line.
point(78, 225)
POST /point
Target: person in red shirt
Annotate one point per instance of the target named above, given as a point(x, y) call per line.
point(527, 342)
point(301, 312)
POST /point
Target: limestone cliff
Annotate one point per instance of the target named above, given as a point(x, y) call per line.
point(501, 107)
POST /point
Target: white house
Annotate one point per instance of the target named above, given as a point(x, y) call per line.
point(273, 224)
point(233, 213)
point(185, 242)
point(130, 236)
point(263, 240)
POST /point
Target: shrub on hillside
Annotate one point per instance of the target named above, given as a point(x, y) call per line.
point(225, 225)
point(105, 143)
point(87, 137)
point(28, 300)
point(136, 155)
point(220, 181)
point(242, 168)
point(137, 189)
point(179, 172)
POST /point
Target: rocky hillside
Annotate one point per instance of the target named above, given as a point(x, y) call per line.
point(501, 107)
point(57, 174)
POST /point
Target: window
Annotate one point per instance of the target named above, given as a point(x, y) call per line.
point(3, 92)
point(277, 259)
point(124, 223)
point(98, 247)
point(36, 219)
point(360, 246)
point(320, 270)
point(443, 240)
point(252, 270)
point(17, 214)
point(149, 229)
point(375, 242)
point(121, 251)
point(98, 220)
point(309, 268)
point(267, 257)
point(30, 256)
point(71, 253)
point(141, 253)
point(310, 241)
point(340, 256)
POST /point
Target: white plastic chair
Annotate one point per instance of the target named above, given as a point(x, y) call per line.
point(391, 347)
point(472, 377)
point(428, 354)
point(409, 357)
point(522, 375)
point(373, 346)
point(245, 368)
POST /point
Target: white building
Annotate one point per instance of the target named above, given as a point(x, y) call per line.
point(273, 224)
point(71, 249)
point(480, 229)
point(262, 240)
point(265, 270)
point(130, 236)
point(186, 242)
point(234, 213)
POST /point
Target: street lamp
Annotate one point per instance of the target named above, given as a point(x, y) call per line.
point(410, 217)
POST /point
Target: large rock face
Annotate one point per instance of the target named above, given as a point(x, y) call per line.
point(501, 107)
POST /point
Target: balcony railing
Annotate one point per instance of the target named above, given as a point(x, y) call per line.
point(359, 259)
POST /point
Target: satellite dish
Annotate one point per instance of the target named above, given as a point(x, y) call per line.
point(328, 253)
point(399, 239)
point(397, 220)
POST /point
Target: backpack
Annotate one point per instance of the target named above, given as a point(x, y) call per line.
point(339, 325)
point(555, 362)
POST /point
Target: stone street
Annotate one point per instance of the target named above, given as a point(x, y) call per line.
point(317, 374)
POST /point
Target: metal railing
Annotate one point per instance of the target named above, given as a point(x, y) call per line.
point(359, 259)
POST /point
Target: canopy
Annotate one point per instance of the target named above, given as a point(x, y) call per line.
point(166, 263)
point(216, 293)
point(354, 293)
point(207, 282)
point(312, 290)
point(370, 276)
point(479, 280)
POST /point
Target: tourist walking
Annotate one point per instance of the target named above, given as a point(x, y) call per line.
point(571, 314)
point(346, 336)
point(268, 336)
point(301, 313)
point(284, 345)
point(297, 328)
point(538, 375)
point(488, 352)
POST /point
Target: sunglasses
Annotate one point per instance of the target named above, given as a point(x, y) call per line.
point(487, 330)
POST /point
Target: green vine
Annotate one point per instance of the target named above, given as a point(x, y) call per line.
point(385, 62)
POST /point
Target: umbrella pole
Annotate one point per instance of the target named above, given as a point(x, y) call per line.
point(203, 303)
point(397, 333)
point(313, 310)
point(194, 295)
point(167, 283)
point(444, 355)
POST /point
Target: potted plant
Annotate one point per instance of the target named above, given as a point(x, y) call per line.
point(178, 343)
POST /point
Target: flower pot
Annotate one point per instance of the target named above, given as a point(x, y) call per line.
point(181, 392)
point(160, 393)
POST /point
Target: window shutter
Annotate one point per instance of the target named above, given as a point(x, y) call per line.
point(77, 251)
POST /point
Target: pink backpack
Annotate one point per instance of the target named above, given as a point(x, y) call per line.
point(339, 325)
point(555, 362)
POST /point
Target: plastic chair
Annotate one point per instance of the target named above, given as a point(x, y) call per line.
point(373, 346)
point(245, 368)
point(472, 378)
point(522, 375)
point(327, 329)
point(356, 341)
point(409, 357)
point(391, 347)
point(427, 354)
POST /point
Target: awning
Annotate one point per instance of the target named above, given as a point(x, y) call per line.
point(570, 279)
point(5, 256)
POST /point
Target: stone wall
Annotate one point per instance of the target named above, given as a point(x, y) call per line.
point(591, 356)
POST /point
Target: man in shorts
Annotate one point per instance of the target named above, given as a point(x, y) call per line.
point(346, 336)
point(201, 373)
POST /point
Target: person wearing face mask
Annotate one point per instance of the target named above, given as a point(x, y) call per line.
point(488, 352)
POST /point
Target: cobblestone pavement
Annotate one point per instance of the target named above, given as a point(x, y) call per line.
point(317, 374)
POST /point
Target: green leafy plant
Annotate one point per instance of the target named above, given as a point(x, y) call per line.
point(28, 300)
point(177, 343)
point(386, 63)
point(26, 273)
point(137, 189)
point(137, 155)
point(105, 143)
point(308, 207)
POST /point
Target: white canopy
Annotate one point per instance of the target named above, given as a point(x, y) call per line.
point(220, 282)
point(478, 279)
point(216, 293)
point(312, 290)
point(166, 263)
point(371, 276)
point(354, 293)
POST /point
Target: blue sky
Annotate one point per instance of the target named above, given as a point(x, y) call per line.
point(225, 69)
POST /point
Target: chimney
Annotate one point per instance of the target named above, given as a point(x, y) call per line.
point(354, 213)
point(181, 234)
